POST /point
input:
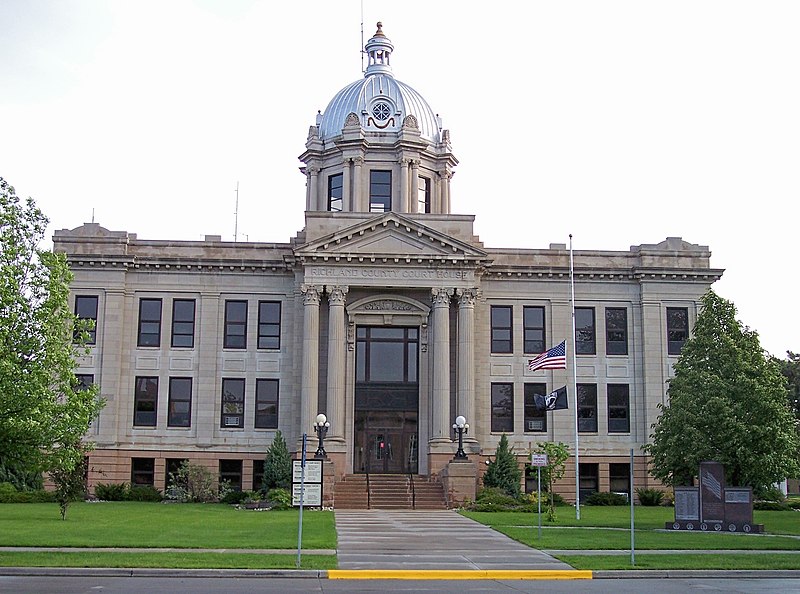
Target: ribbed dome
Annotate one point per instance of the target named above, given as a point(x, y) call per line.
point(380, 101)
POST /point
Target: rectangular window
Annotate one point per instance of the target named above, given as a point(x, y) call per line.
point(501, 329)
point(143, 472)
point(619, 478)
point(533, 330)
point(235, 325)
point(171, 468)
point(231, 471)
point(677, 329)
point(380, 191)
point(503, 408)
point(149, 322)
point(180, 402)
point(424, 195)
point(588, 479)
point(618, 408)
point(335, 192)
point(258, 475)
point(584, 331)
point(266, 404)
point(232, 403)
point(587, 408)
point(269, 324)
point(183, 323)
point(145, 402)
point(616, 331)
point(85, 381)
point(86, 309)
point(535, 418)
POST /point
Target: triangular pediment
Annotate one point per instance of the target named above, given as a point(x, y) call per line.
point(390, 236)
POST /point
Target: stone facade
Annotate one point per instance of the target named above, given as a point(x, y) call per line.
point(384, 323)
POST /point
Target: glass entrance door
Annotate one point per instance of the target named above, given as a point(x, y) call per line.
point(386, 442)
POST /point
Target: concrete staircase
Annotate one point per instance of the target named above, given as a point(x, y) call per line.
point(388, 491)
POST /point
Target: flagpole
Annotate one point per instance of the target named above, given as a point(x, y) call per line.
point(575, 385)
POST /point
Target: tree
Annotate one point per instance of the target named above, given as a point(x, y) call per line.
point(727, 403)
point(44, 412)
point(70, 482)
point(503, 472)
point(790, 368)
point(557, 456)
point(277, 465)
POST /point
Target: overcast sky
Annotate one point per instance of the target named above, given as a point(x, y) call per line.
point(620, 122)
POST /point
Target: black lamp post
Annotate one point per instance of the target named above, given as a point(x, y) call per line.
point(321, 427)
point(460, 427)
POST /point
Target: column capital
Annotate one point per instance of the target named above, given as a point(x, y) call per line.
point(313, 170)
point(310, 294)
point(467, 297)
point(440, 296)
point(406, 161)
point(358, 161)
point(336, 294)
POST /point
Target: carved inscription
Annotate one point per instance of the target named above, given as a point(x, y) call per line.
point(320, 272)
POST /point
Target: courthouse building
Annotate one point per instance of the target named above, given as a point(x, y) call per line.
point(385, 312)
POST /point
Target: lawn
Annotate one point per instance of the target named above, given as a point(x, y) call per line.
point(142, 525)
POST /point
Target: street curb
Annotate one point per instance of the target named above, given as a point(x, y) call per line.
point(161, 573)
point(697, 573)
point(458, 574)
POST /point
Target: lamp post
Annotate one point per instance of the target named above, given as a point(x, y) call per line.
point(321, 427)
point(460, 427)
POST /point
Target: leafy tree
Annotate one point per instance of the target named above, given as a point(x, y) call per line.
point(44, 413)
point(70, 482)
point(192, 483)
point(277, 465)
point(503, 472)
point(728, 403)
point(557, 456)
point(790, 368)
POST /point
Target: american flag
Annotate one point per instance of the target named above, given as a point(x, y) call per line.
point(555, 358)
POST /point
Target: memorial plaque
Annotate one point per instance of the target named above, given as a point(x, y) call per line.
point(739, 505)
point(687, 503)
point(712, 487)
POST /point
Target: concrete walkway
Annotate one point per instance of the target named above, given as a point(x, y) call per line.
point(430, 540)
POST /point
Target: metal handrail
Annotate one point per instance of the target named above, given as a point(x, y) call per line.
point(413, 490)
point(366, 471)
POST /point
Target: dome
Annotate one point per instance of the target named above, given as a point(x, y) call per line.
point(380, 101)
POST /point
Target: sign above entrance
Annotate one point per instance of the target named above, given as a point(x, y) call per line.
point(401, 275)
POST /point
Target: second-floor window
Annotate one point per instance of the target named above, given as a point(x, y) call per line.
point(587, 408)
point(618, 408)
point(145, 402)
point(149, 323)
point(179, 412)
point(235, 325)
point(232, 402)
point(502, 408)
point(266, 404)
point(585, 343)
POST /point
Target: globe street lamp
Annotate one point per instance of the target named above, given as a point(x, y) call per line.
point(460, 427)
point(321, 427)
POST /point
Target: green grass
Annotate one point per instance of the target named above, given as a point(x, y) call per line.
point(702, 562)
point(166, 560)
point(140, 525)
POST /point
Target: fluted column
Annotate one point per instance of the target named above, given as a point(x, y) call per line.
point(465, 398)
point(337, 346)
point(440, 405)
point(309, 382)
point(414, 197)
point(446, 192)
point(358, 185)
point(404, 186)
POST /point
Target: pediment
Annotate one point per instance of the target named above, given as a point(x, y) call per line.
point(390, 236)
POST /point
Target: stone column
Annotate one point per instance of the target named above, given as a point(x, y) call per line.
point(403, 207)
point(446, 192)
point(346, 187)
point(314, 199)
point(337, 347)
point(414, 197)
point(358, 185)
point(440, 401)
point(465, 399)
point(309, 382)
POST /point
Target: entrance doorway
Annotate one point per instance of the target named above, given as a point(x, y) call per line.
point(386, 400)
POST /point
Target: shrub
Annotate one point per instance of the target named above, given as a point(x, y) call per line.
point(280, 498)
point(771, 494)
point(7, 489)
point(38, 496)
point(277, 465)
point(143, 493)
point(771, 506)
point(111, 491)
point(794, 504)
point(233, 497)
point(650, 497)
point(606, 498)
point(192, 483)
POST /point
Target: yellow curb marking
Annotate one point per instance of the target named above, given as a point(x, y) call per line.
point(457, 574)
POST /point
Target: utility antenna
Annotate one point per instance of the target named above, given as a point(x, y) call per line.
point(236, 215)
point(92, 216)
point(362, 36)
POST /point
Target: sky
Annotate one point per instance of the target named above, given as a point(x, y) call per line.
point(619, 122)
